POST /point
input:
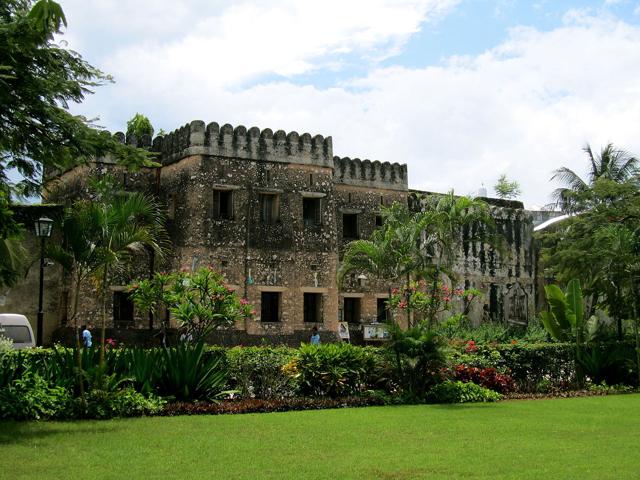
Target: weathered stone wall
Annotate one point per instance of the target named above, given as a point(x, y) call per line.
point(504, 271)
point(23, 297)
point(213, 181)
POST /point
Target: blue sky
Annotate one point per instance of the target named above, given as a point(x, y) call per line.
point(460, 90)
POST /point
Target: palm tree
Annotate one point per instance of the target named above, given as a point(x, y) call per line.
point(387, 255)
point(126, 225)
point(418, 245)
point(611, 163)
point(99, 235)
point(13, 259)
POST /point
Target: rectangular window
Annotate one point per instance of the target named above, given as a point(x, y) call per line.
point(122, 309)
point(382, 310)
point(350, 226)
point(311, 211)
point(270, 307)
point(269, 208)
point(313, 307)
point(223, 204)
point(352, 310)
point(378, 221)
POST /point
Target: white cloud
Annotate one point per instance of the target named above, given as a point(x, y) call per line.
point(523, 108)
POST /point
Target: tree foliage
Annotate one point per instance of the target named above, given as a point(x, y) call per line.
point(600, 247)
point(39, 80)
point(421, 245)
point(507, 189)
point(138, 126)
point(201, 301)
point(611, 164)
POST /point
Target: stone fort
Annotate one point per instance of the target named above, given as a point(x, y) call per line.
point(274, 212)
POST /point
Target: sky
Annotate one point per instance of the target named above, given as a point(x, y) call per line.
point(461, 91)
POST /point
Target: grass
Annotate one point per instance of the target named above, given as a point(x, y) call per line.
point(594, 437)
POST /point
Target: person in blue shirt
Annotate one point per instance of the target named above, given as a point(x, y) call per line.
point(315, 336)
point(86, 337)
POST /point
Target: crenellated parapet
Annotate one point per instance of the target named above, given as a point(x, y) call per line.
point(366, 173)
point(196, 138)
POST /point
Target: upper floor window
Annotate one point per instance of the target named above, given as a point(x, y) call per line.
point(311, 211)
point(269, 208)
point(223, 204)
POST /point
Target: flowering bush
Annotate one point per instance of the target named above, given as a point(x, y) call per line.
point(486, 377)
point(421, 297)
point(201, 301)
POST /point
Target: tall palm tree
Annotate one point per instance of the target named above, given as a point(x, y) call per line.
point(611, 163)
point(99, 235)
point(126, 225)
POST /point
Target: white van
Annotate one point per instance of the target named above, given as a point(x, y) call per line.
point(17, 328)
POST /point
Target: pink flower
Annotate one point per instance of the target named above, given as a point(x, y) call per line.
point(229, 289)
point(394, 291)
point(402, 304)
point(244, 301)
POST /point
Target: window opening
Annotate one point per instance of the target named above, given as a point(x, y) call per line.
point(223, 204)
point(350, 225)
point(270, 307)
point(311, 211)
point(352, 310)
point(312, 307)
point(269, 208)
point(122, 308)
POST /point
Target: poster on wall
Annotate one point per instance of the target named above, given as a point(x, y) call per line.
point(343, 331)
point(376, 331)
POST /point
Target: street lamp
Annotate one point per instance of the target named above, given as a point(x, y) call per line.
point(43, 228)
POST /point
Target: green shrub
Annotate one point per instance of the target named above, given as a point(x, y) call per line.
point(31, 398)
point(418, 359)
point(528, 364)
point(334, 370)
point(258, 372)
point(189, 373)
point(103, 404)
point(460, 392)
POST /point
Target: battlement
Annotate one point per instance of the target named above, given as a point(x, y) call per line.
point(370, 174)
point(253, 144)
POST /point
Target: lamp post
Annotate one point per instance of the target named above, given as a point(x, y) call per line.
point(43, 227)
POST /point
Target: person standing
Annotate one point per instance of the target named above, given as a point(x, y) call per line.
point(86, 337)
point(315, 336)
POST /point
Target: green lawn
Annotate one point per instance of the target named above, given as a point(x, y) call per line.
point(597, 437)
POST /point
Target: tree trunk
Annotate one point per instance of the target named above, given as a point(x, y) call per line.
point(103, 330)
point(78, 345)
point(637, 336)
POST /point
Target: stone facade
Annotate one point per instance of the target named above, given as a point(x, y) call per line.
point(274, 211)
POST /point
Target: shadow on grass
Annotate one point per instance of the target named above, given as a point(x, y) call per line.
point(12, 432)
